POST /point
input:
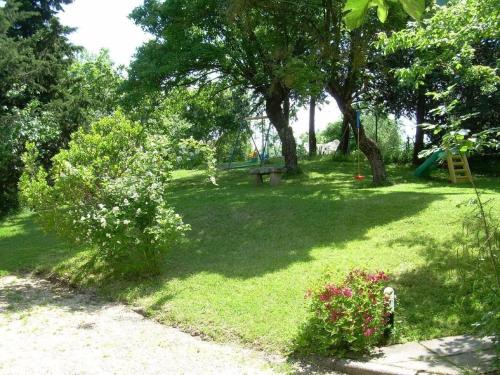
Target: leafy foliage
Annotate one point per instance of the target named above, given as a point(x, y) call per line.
point(212, 113)
point(381, 128)
point(108, 190)
point(357, 10)
point(457, 49)
point(35, 54)
point(350, 316)
point(254, 46)
point(84, 93)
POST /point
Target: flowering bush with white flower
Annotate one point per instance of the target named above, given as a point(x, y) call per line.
point(108, 189)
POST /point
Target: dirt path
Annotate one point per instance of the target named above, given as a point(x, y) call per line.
point(46, 329)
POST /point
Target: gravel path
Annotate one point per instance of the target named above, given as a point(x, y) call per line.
point(48, 329)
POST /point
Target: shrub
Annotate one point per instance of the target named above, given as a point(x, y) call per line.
point(108, 190)
point(346, 317)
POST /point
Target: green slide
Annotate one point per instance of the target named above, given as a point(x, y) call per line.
point(427, 166)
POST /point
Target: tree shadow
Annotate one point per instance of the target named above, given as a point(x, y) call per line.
point(25, 247)
point(256, 230)
point(434, 298)
point(19, 295)
point(242, 231)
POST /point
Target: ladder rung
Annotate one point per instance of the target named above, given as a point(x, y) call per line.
point(458, 163)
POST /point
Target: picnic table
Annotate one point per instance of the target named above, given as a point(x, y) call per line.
point(275, 174)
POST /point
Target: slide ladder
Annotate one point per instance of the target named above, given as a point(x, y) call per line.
point(458, 166)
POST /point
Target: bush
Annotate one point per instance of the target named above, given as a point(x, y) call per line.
point(108, 190)
point(346, 317)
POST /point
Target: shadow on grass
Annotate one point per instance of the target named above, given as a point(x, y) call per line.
point(438, 298)
point(242, 231)
point(437, 295)
point(24, 247)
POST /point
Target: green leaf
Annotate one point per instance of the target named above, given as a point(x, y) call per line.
point(382, 9)
point(356, 15)
point(415, 8)
point(357, 10)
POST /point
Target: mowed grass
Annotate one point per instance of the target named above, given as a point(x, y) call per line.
point(242, 271)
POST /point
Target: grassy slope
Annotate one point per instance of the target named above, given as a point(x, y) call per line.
point(253, 251)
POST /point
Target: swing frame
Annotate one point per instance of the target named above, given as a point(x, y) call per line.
point(265, 140)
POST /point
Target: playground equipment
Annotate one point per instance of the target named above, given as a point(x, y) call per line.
point(359, 176)
point(425, 169)
point(458, 166)
point(257, 157)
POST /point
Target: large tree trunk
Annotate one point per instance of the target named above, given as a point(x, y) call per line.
point(312, 127)
point(368, 147)
point(419, 132)
point(278, 112)
point(344, 140)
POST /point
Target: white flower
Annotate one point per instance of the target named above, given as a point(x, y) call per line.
point(101, 206)
point(126, 222)
point(103, 222)
point(115, 209)
point(108, 235)
point(125, 202)
point(138, 212)
point(82, 218)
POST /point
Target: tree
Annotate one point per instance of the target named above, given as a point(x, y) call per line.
point(312, 127)
point(87, 91)
point(249, 46)
point(35, 51)
point(457, 50)
point(212, 113)
point(344, 55)
point(34, 55)
point(353, 52)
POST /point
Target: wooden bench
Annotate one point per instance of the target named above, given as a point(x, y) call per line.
point(275, 174)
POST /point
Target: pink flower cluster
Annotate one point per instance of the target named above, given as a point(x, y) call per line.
point(372, 277)
point(375, 278)
point(336, 315)
point(367, 319)
point(369, 332)
point(334, 291)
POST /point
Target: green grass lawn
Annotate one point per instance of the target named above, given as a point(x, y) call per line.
point(253, 251)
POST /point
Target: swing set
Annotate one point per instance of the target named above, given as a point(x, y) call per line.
point(258, 156)
point(358, 176)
